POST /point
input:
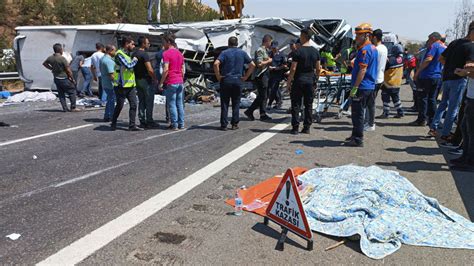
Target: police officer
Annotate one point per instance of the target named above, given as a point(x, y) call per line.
point(124, 83)
point(364, 75)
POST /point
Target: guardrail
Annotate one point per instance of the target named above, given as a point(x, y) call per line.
point(9, 76)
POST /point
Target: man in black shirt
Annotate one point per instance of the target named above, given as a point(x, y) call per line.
point(146, 83)
point(458, 53)
point(304, 73)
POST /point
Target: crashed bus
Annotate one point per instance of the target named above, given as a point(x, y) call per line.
point(200, 42)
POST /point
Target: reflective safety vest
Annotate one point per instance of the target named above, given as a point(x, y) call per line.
point(123, 76)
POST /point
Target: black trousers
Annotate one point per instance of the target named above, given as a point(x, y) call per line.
point(131, 95)
point(302, 91)
point(427, 91)
point(262, 94)
point(66, 87)
point(359, 103)
point(457, 137)
point(468, 132)
point(274, 89)
point(230, 90)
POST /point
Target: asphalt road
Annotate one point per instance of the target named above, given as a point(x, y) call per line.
point(86, 177)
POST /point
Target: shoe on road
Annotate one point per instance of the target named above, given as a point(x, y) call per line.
point(265, 118)
point(369, 128)
point(417, 123)
point(234, 127)
point(135, 128)
point(305, 130)
point(249, 115)
point(354, 143)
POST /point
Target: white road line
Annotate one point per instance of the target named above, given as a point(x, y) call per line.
point(6, 143)
point(97, 239)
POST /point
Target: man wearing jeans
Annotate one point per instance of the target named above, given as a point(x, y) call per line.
point(466, 161)
point(458, 53)
point(263, 62)
point(107, 69)
point(428, 78)
point(230, 76)
point(125, 85)
point(95, 62)
point(146, 84)
point(364, 77)
point(173, 77)
point(63, 79)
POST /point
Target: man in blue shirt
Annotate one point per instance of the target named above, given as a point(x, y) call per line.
point(107, 70)
point(229, 69)
point(364, 76)
point(428, 78)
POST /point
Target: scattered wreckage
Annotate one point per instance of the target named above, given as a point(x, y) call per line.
point(200, 43)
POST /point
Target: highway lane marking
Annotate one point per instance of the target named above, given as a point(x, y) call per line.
point(6, 143)
point(95, 173)
point(97, 239)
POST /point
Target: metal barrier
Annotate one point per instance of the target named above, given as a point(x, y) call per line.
point(9, 76)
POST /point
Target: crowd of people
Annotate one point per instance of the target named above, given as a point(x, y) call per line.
point(435, 70)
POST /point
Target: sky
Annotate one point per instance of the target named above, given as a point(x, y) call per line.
point(410, 19)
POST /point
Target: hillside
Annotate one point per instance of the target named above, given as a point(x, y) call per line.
point(67, 12)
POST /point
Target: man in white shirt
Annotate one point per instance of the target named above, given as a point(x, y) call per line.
point(382, 61)
point(95, 60)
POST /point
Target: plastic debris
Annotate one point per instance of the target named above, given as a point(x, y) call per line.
point(87, 102)
point(299, 152)
point(160, 99)
point(14, 236)
point(35, 157)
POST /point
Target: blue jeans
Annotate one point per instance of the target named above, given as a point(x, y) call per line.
point(110, 102)
point(452, 95)
point(174, 94)
point(86, 86)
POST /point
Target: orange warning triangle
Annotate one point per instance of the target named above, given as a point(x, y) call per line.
point(286, 208)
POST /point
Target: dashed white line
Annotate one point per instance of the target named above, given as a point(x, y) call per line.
point(6, 143)
point(97, 239)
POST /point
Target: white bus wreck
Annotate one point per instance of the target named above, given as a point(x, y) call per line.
point(200, 42)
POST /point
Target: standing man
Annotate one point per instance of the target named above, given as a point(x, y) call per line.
point(151, 4)
point(393, 82)
point(107, 69)
point(304, 73)
point(173, 77)
point(146, 84)
point(428, 78)
point(124, 82)
point(364, 77)
point(87, 74)
point(458, 53)
point(65, 83)
point(381, 62)
point(95, 60)
point(76, 64)
point(229, 69)
point(263, 62)
point(466, 161)
point(277, 74)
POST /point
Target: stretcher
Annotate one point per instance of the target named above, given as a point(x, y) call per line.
point(331, 90)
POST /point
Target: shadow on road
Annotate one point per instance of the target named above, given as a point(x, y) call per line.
point(318, 143)
point(422, 151)
point(270, 232)
point(415, 166)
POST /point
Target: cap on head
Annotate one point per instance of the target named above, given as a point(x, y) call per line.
point(274, 44)
point(364, 28)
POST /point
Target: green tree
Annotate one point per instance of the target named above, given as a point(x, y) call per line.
point(35, 12)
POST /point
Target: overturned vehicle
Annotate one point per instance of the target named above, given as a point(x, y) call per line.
point(200, 43)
